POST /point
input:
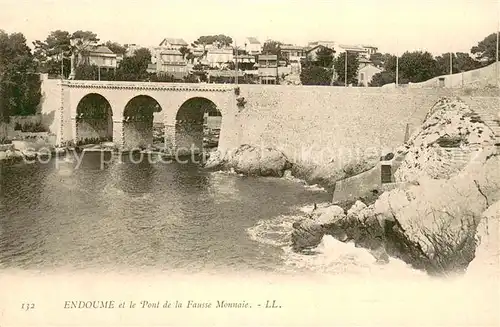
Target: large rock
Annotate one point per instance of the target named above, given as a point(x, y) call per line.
point(309, 232)
point(432, 221)
point(445, 142)
point(250, 160)
point(431, 226)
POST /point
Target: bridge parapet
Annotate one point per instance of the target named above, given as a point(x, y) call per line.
point(184, 87)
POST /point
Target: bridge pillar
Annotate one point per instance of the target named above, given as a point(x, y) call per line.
point(169, 135)
point(74, 130)
point(118, 134)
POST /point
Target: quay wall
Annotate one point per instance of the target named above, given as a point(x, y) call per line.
point(322, 123)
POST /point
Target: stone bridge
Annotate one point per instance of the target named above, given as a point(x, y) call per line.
point(169, 96)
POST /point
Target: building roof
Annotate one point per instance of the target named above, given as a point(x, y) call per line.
point(224, 73)
point(308, 50)
point(371, 67)
point(370, 46)
point(173, 41)
point(253, 40)
point(223, 51)
point(291, 47)
point(352, 47)
point(100, 49)
point(170, 52)
point(268, 57)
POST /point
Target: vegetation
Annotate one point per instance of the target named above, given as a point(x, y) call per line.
point(352, 68)
point(485, 50)
point(315, 75)
point(94, 140)
point(19, 84)
point(30, 127)
point(220, 41)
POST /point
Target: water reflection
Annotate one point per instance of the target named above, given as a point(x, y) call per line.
point(168, 216)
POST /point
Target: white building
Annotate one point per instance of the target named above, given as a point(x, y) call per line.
point(173, 43)
point(366, 72)
point(101, 56)
point(216, 57)
point(251, 45)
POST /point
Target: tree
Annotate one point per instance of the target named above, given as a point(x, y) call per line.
point(461, 62)
point(324, 57)
point(485, 50)
point(116, 48)
point(418, 66)
point(185, 51)
point(379, 59)
point(219, 41)
point(87, 72)
point(273, 47)
point(352, 67)
point(19, 83)
point(51, 51)
point(315, 75)
point(134, 68)
point(382, 78)
point(81, 41)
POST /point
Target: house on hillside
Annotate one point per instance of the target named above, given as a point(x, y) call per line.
point(311, 54)
point(362, 50)
point(268, 69)
point(328, 44)
point(217, 57)
point(370, 49)
point(366, 71)
point(173, 43)
point(294, 54)
point(101, 56)
point(171, 62)
point(245, 62)
point(252, 46)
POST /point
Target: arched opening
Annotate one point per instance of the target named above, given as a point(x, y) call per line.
point(197, 125)
point(139, 122)
point(94, 120)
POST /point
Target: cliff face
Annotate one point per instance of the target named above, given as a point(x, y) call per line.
point(432, 222)
point(449, 138)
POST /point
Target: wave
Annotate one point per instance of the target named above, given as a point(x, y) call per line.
point(274, 232)
point(230, 172)
point(315, 187)
point(330, 256)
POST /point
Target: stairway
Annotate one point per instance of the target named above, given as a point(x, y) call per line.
point(487, 109)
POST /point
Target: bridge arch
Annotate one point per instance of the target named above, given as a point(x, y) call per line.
point(94, 121)
point(139, 117)
point(197, 124)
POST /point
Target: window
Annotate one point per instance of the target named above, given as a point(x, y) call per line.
point(362, 76)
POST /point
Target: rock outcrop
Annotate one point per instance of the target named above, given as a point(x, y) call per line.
point(250, 160)
point(431, 223)
point(447, 140)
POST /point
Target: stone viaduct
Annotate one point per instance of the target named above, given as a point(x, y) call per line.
point(169, 96)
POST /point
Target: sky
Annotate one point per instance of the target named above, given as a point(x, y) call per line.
point(437, 26)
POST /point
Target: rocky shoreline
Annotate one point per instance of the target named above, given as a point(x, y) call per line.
point(444, 193)
point(435, 219)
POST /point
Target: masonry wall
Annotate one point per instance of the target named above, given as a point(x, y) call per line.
point(324, 123)
point(50, 106)
point(477, 78)
point(94, 129)
point(137, 134)
point(189, 136)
